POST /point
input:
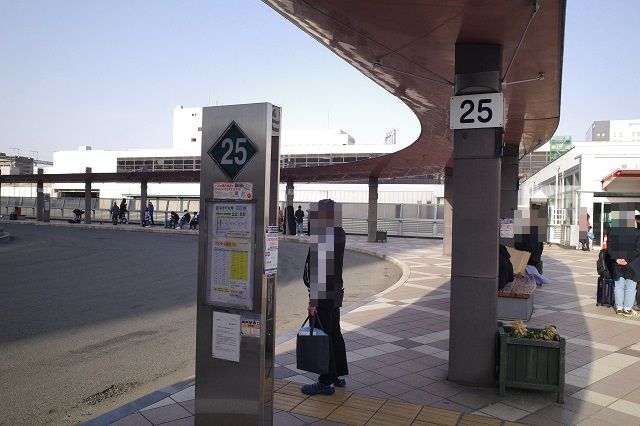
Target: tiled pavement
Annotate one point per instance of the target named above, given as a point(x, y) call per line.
point(398, 350)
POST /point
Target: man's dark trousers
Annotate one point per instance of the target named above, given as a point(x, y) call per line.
point(330, 319)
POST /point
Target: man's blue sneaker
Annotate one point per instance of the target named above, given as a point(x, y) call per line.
point(340, 383)
point(318, 389)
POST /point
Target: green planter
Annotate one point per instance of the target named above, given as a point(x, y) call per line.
point(381, 236)
point(531, 363)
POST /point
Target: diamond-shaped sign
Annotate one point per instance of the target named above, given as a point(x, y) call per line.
point(233, 151)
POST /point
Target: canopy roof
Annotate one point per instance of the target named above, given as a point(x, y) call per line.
point(408, 48)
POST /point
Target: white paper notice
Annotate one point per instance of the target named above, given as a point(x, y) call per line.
point(233, 191)
point(506, 228)
point(226, 336)
point(271, 250)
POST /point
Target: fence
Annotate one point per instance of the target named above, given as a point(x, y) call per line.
point(414, 220)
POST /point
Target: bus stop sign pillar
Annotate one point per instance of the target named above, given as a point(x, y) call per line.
point(237, 265)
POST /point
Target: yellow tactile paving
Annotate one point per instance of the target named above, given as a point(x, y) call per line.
point(337, 398)
point(317, 409)
point(380, 419)
point(473, 420)
point(286, 402)
point(351, 415)
point(292, 389)
point(363, 402)
point(438, 416)
point(278, 383)
point(352, 409)
point(400, 409)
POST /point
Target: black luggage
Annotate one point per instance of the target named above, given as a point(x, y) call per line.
point(604, 294)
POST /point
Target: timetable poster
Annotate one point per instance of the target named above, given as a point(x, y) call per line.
point(231, 255)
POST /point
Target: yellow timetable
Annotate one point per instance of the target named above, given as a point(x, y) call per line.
point(239, 266)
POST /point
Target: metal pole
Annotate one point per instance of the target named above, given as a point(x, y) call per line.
point(87, 196)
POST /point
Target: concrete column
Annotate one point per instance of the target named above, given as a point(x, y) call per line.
point(372, 214)
point(509, 186)
point(289, 219)
point(143, 200)
point(40, 197)
point(448, 211)
point(476, 197)
point(87, 196)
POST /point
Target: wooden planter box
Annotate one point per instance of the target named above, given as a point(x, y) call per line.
point(530, 363)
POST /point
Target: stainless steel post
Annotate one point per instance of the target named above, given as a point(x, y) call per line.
point(237, 264)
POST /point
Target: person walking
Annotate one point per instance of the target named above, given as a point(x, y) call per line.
point(115, 213)
point(123, 211)
point(323, 276)
point(624, 249)
point(150, 208)
point(299, 215)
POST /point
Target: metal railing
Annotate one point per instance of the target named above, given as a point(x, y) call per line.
point(62, 209)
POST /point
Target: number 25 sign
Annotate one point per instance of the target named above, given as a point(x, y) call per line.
point(476, 111)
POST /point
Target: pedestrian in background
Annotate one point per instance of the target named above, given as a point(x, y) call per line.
point(624, 249)
point(299, 215)
point(150, 208)
point(115, 213)
point(123, 211)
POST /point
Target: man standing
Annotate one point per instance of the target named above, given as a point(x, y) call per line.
point(323, 276)
point(299, 215)
point(624, 249)
point(115, 213)
point(150, 208)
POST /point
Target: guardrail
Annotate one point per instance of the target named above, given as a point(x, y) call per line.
point(62, 209)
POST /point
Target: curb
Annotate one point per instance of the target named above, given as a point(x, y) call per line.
point(105, 226)
point(5, 237)
point(406, 271)
point(136, 405)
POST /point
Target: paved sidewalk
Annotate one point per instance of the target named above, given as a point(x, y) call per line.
point(398, 350)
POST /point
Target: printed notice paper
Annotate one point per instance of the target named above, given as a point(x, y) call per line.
point(226, 336)
point(231, 261)
point(271, 250)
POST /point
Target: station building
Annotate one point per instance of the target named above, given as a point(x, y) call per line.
point(593, 174)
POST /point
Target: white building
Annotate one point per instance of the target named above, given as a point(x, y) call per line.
point(614, 131)
point(592, 175)
point(298, 148)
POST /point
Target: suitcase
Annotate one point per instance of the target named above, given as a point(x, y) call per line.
point(604, 295)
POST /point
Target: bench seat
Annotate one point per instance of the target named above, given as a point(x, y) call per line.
point(515, 300)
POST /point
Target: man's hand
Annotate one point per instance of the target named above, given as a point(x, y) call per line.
point(621, 262)
point(312, 310)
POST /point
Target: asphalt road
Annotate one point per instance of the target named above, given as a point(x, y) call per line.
point(92, 319)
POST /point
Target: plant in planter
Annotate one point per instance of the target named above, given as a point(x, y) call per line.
point(531, 358)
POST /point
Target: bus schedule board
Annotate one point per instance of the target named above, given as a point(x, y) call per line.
point(476, 111)
point(230, 255)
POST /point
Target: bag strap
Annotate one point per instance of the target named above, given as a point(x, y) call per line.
point(311, 320)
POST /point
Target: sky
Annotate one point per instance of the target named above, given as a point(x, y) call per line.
point(109, 74)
